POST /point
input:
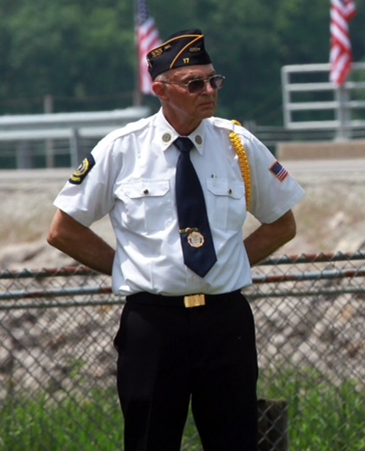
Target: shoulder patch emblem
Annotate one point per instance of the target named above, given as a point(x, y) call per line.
point(81, 172)
point(279, 171)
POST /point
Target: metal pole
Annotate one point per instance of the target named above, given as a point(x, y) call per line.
point(75, 150)
point(342, 97)
point(285, 81)
point(48, 109)
point(137, 95)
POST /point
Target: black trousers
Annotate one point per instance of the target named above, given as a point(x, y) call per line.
point(169, 355)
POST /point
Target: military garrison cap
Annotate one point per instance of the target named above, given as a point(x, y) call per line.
point(181, 49)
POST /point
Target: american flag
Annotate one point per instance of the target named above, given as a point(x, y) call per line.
point(342, 12)
point(147, 38)
point(279, 171)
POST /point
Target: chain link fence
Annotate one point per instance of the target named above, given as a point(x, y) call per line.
point(57, 362)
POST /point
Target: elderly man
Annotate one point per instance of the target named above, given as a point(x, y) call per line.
point(177, 187)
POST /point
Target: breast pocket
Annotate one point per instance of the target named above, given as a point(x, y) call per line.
point(226, 204)
point(146, 205)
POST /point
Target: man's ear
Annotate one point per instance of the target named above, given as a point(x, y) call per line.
point(159, 90)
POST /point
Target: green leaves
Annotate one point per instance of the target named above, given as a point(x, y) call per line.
point(82, 49)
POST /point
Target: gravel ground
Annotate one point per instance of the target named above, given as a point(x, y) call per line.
point(330, 218)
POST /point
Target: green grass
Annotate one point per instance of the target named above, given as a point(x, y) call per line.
point(322, 417)
point(43, 424)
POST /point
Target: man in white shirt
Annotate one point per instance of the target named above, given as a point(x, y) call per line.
point(185, 334)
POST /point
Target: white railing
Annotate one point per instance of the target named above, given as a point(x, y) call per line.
point(29, 138)
point(312, 102)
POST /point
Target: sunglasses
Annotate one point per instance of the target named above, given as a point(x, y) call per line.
point(197, 85)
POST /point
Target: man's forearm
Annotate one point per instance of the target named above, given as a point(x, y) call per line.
point(80, 243)
point(267, 238)
point(93, 252)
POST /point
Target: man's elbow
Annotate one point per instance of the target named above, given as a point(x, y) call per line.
point(291, 233)
point(54, 238)
point(289, 228)
point(58, 231)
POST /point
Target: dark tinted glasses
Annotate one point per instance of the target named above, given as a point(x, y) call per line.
point(198, 84)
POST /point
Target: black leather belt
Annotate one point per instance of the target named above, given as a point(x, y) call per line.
point(188, 301)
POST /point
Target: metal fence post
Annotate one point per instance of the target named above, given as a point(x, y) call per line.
point(75, 150)
point(273, 425)
point(342, 114)
point(24, 156)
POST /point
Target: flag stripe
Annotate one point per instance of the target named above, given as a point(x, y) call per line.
point(342, 12)
point(147, 38)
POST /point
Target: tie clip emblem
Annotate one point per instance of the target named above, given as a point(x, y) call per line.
point(195, 238)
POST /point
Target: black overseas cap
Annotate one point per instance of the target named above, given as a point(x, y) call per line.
point(181, 49)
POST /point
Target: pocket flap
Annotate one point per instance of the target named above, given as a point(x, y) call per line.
point(223, 187)
point(144, 188)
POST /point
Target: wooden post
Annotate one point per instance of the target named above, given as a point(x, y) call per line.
point(273, 425)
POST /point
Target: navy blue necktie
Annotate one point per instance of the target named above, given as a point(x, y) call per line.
point(196, 237)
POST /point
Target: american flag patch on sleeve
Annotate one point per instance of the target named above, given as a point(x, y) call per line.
point(279, 171)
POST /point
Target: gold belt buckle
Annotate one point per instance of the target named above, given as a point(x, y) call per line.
point(195, 300)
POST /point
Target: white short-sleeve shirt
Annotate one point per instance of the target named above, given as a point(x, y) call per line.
point(132, 178)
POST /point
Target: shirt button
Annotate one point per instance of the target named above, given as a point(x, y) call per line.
point(146, 191)
point(230, 191)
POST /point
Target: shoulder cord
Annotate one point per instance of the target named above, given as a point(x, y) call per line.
point(244, 163)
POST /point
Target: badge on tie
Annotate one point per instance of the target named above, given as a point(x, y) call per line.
point(196, 237)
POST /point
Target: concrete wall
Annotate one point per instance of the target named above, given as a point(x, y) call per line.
point(320, 150)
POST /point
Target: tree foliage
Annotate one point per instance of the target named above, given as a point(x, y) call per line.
point(77, 49)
